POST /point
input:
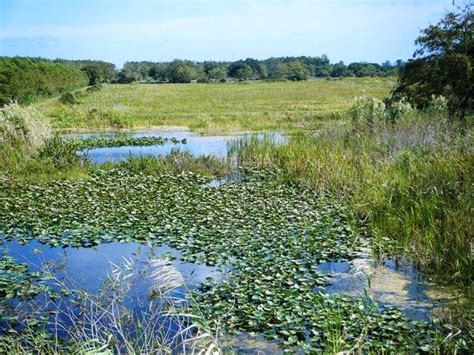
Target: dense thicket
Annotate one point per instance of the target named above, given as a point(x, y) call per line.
point(97, 71)
point(290, 68)
point(26, 79)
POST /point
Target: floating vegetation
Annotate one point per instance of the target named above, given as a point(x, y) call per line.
point(18, 286)
point(103, 142)
point(271, 237)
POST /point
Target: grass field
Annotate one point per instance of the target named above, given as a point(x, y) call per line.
point(212, 108)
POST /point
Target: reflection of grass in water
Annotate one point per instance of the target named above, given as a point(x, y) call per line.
point(110, 320)
point(216, 107)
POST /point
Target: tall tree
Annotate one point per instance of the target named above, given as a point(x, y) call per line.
point(442, 64)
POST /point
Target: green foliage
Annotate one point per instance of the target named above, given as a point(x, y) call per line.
point(367, 110)
point(97, 71)
point(245, 72)
point(26, 79)
point(443, 65)
point(94, 88)
point(180, 71)
point(295, 71)
point(59, 154)
point(340, 70)
point(364, 69)
point(69, 99)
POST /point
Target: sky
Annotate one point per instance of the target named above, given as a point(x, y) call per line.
point(162, 30)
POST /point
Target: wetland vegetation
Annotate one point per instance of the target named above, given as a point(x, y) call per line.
point(353, 171)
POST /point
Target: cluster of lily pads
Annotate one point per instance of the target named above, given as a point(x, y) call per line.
point(18, 286)
point(104, 142)
point(270, 237)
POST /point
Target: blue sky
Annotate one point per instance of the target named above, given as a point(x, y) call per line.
point(118, 30)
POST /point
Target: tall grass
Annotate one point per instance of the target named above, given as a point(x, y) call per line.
point(30, 150)
point(23, 127)
point(410, 181)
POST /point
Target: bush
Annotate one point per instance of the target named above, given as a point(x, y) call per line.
point(68, 99)
point(26, 79)
point(24, 127)
point(399, 109)
point(61, 154)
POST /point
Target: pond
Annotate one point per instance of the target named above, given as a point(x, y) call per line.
point(271, 243)
point(392, 282)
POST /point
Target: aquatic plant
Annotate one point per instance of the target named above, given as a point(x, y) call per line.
point(271, 236)
point(411, 182)
point(102, 142)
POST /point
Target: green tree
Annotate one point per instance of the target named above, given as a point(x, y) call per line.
point(340, 70)
point(245, 72)
point(297, 71)
point(26, 79)
point(217, 73)
point(180, 71)
point(442, 64)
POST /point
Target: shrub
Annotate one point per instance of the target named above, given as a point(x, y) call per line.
point(399, 110)
point(69, 99)
point(23, 126)
point(367, 109)
point(61, 154)
point(203, 80)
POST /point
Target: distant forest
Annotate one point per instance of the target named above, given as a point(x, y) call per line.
point(26, 79)
point(290, 68)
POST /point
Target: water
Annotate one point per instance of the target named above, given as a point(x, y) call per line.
point(390, 283)
point(196, 145)
point(89, 267)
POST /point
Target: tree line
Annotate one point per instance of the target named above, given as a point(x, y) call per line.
point(290, 68)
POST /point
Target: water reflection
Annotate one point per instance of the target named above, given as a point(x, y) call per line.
point(89, 267)
point(390, 283)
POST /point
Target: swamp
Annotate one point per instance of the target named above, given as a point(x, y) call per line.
point(238, 214)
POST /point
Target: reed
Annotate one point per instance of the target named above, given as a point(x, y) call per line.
point(411, 181)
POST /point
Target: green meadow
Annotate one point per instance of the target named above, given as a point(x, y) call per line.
point(216, 108)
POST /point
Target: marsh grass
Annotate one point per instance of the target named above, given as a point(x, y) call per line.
point(176, 162)
point(216, 108)
point(411, 182)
